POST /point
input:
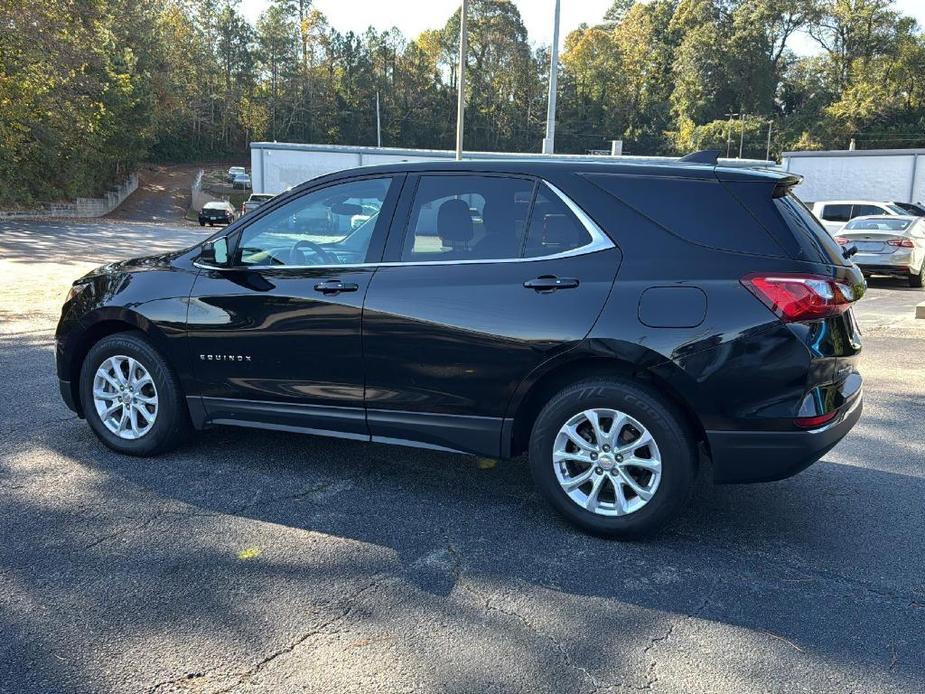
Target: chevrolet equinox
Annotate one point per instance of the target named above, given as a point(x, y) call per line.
point(618, 322)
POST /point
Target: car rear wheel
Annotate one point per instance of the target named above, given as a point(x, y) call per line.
point(613, 457)
point(131, 398)
point(918, 280)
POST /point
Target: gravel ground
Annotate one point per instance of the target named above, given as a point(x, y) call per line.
point(257, 562)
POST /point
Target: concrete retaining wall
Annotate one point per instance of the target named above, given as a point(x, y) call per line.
point(82, 207)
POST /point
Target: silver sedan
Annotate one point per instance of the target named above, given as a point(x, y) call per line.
point(892, 246)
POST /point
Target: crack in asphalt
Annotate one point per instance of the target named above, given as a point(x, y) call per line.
point(824, 575)
point(322, 628)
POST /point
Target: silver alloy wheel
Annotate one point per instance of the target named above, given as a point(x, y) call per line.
point(125, 397)
point(607, 462)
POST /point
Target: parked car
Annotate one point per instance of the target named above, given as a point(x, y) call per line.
point(834, 214)
point(912, 208)
point(255, 201)
point(234, 171)
point(628, 320)
point(893, 246)
point(242, 181)
point(217, 212)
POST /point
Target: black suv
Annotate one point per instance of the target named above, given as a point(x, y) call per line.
point(618, 322)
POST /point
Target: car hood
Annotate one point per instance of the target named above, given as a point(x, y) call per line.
point(161, 261)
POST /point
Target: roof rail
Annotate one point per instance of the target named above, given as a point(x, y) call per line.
point(710, 157)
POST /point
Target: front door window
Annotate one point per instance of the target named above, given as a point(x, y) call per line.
point(326, 227)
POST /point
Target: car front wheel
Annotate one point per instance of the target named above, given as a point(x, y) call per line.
point(131, 398)
point(612, 457)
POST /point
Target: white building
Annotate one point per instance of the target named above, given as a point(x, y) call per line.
point(864, 174)
point(277, 166)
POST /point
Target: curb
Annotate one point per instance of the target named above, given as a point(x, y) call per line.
point(920, 310)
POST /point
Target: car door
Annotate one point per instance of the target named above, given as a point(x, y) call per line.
point(276, 339)
point(487, 277)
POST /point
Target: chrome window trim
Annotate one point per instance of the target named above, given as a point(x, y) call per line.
point(599, 242)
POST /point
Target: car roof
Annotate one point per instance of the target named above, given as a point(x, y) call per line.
point(217, 203)
point(542, 168)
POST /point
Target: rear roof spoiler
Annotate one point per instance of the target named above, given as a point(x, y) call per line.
point(710, 157)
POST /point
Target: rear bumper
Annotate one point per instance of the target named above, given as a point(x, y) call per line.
point(901, 268)
point(765, 456)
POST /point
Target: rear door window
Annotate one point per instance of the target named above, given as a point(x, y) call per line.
point(866, 211)
point(836, 213)
point(553, 227)
point(468, 217)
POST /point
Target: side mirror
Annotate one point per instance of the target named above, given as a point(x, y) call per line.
point(215, 253)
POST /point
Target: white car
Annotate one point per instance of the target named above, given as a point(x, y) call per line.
point(887, 245)
point(234, 171)
point(834, 214)
point(255, 201)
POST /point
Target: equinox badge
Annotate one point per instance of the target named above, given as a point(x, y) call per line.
point(225, 357)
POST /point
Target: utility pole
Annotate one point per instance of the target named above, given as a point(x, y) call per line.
point(742, 133)
point(730, 116)
point(549, 142)
point(770, 125)
point(461, 97)
point(378, 122)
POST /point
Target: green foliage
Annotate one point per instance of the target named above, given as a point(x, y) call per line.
point(89, 88)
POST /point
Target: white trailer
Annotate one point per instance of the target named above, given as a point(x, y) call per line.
point(278, 166)
point(865, 174)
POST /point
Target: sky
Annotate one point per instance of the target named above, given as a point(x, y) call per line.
point(413, 16)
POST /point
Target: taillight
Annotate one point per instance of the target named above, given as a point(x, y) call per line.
point(800, 297)
point(900, 243)
point(842, 241)
point(816, 421)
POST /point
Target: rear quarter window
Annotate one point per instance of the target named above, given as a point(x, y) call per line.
point(804, 225)
point(701, 211)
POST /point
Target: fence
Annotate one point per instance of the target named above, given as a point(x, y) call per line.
point(82, 207)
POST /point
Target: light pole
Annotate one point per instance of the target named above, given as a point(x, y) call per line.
point(730, 116)
point(742, 133)
point(461, 97)
point(768, 155)
point(549, 142)
point(378, 122)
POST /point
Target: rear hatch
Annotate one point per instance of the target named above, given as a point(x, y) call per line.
point(823, 319)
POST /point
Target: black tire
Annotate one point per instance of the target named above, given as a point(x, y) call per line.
point(916, 281)
point(202, 224)
point(171, 425)
point(675, 441)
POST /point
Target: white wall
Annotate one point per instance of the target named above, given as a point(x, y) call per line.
point(276, 170)
point(863, 175)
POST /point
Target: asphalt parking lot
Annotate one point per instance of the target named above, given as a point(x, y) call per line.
point(257, 562)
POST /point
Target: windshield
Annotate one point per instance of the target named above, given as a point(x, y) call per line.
point(880, 224)
point(912, 208)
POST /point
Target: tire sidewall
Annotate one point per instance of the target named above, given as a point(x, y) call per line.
point(170, 422)
point(674, 441)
